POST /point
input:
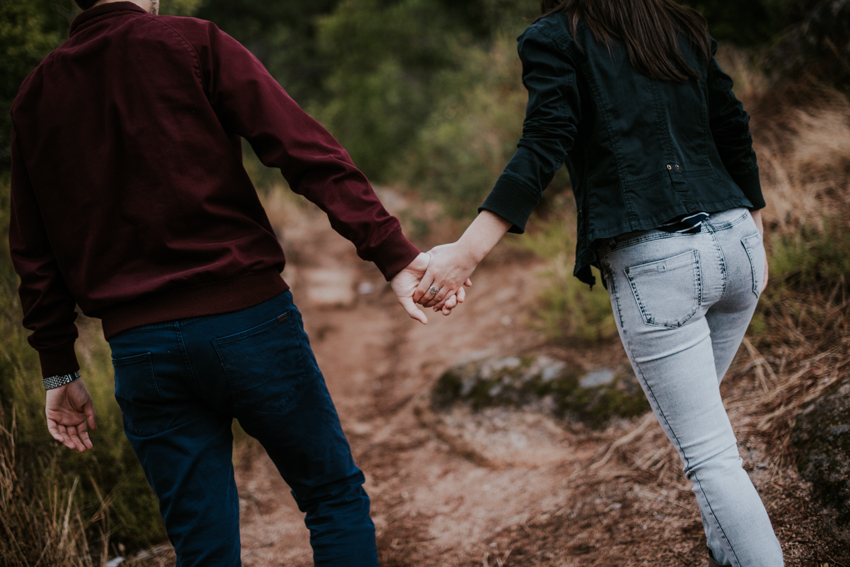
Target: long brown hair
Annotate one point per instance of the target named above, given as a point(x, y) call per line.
point(649, 30)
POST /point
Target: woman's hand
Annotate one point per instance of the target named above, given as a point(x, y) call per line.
point(449, 270)
point(452, 264)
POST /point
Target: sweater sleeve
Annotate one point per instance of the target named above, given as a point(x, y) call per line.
point(47, 304)
point(251, 104)
point(730, 129)
point(551, 120)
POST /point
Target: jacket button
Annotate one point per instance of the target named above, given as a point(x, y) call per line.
point(677, 166)
point(669, 166)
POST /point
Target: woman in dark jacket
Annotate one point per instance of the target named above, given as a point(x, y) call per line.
point(660, 157)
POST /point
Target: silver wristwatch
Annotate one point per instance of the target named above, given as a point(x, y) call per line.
point(59, 380)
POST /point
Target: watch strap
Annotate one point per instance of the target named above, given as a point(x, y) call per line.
point(59, 380)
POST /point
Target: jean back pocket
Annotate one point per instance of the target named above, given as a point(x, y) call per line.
point(669, 291)
point(268, 365)
point(143, 407)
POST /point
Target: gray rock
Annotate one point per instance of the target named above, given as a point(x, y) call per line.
point(821, 435)
point(541, 384)
point(551, 369)
point(597, 378)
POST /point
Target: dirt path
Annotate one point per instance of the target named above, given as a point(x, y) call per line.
point(507, 489)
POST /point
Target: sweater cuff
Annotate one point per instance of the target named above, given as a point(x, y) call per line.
point(394, 254)
point(512, 201)
point(58, 360)
point(751, 186)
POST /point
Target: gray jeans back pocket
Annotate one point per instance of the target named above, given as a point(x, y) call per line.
point(668, 291)
point(755, 252)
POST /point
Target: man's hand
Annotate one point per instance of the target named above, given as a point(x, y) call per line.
point(69, 411)
point(405, 282)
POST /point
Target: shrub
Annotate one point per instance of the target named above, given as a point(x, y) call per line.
point(568, 309)
point(471, 135)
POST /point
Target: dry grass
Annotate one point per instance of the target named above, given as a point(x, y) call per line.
point(43, 527)
point(804, 155)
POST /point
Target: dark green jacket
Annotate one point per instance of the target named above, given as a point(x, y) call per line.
point(639, 151)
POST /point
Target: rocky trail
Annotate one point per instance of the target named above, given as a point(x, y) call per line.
point(497, 487)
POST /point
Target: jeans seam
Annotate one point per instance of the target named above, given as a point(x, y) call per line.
point(613, 292)
point(660, 235)
point(729, 224)
point(716, 519)
point(673, 433)
point(722, 259)
point(752, 263)
point(184, 354)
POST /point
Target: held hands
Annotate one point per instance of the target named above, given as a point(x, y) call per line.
point(442, 285)
point(406, 283)
point(70, 411)
point(436, 279)
point(452, 264)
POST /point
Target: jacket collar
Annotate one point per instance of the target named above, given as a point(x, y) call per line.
point(100, 10)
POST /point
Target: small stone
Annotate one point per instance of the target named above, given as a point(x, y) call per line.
point(597, 378)
point(365, 288)
point(552, 371)
point(467, 387)
point(507, 362)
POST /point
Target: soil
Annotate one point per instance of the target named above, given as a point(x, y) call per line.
point(500, 487)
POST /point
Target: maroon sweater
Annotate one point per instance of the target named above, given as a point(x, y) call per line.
point(129, 197)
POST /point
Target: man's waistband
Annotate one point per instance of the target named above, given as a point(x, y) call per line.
point(213, 298)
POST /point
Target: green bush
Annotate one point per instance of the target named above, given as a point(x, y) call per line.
point(380, 85)
point(567, 308)
point(472, 133)
point(810, 257)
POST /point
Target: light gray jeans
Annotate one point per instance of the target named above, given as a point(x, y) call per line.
point(682, 303)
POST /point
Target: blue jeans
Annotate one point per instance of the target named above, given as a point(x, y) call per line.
point(682, 303)
point(181, 383)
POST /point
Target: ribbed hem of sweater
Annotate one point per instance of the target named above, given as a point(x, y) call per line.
point(512, 201)
point(214, 298)
point(58, 360)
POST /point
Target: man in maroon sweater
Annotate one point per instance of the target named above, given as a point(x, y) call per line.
point(129, 199)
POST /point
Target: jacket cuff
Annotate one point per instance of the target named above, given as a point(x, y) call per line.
point(394, 254)
point(751, 186)
point(512, 201)
point(58, 360)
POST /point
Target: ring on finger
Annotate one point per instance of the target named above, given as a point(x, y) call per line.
point(433, 290)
